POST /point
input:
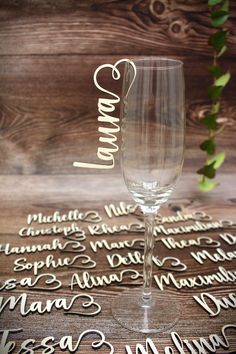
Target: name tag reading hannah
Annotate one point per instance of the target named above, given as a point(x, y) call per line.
point(105, 107)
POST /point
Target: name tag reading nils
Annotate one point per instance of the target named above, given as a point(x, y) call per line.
point(105, 107)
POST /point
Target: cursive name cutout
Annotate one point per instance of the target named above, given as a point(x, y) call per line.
point(221, 276)
point(50, 344)
point(105, 107)
point(88, 281)
point(54, 245)
point(167, 263)
point(71, 215)
point(48, 281)
point(184, 346)
point(59, 304)
point(81, 261)
point(212, 305)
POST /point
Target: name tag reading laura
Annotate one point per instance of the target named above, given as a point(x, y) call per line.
point(105, 108)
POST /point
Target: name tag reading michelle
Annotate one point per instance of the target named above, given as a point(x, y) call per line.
point(105, 108)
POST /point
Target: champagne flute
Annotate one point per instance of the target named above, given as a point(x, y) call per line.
point(152, 150)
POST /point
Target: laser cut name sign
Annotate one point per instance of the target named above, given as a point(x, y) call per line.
point(59, 303)
point(184, 346)
point(71, 215)
point(122, 208)
point(212, 305)
point(50, 345)
point(81, 261)
point(105, 107)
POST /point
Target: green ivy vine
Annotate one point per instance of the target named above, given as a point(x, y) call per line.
point(218, 40)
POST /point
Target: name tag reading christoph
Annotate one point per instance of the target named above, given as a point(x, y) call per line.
point(105, 107)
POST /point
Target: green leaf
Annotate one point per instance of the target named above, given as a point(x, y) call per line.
point(213, 2)
point(215, 70)
point(215, 92)
point(218, 39)
point(223, 80)
point(225, 6)
point(210, 121)
point(206, 185)
point(218, 18)
point(216, 108)
point(208, 146)
point(208, 170)
point(217, 160)
point(223, 49)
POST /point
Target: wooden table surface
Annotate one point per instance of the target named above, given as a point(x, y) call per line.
point(25, 195)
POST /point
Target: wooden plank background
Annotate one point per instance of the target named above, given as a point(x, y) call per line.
point(48, 119)
point(49, 51)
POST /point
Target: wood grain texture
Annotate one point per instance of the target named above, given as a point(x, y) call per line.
point(49, 113)
point(156, 27)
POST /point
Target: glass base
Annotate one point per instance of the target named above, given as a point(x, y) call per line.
point(158, 315)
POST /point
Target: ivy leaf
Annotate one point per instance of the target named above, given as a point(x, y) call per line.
point(215, 70)
point(223, 80)
point(216, 107)
point(206, 185)
point(225, 6)
point(215, 92)
point(218, 39)
point(213, 2)
point(208, 146)
point(223, 49)
point(217, 160)
point(208, 170)
point(218, 18)
point(210, 121)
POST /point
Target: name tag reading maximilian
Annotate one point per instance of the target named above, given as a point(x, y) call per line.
point(105, 108)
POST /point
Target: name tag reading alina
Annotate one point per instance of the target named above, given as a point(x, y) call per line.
point(105, 107)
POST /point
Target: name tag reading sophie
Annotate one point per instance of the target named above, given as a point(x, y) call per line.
point(105, 108)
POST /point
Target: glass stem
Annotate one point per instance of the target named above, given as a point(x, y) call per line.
point(149, 218)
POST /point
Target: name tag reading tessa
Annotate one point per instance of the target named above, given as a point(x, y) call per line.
point(105, 107)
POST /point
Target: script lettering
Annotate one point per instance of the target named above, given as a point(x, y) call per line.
point(105, 107)
point(73, 229)
point(57, 217)
point(125, 209)
point(113, 229)
point(116, 260)
point(56, 244)
point(85, 263)
point(49, 344)
point(183, 346)
point(88, 281)
point(121, 209)
point(135, 244)
point(225, 302)
point(201, 241)
point(228, 238)
point(59, 303)
point(219, 256)
point(49, 281)
point(221, 276)
point(185, 229)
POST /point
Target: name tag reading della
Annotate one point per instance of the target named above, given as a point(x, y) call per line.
point(105, 107)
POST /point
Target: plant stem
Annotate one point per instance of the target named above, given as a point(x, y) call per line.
point(149, 218)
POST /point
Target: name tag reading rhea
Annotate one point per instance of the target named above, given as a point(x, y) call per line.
point(105, 107)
